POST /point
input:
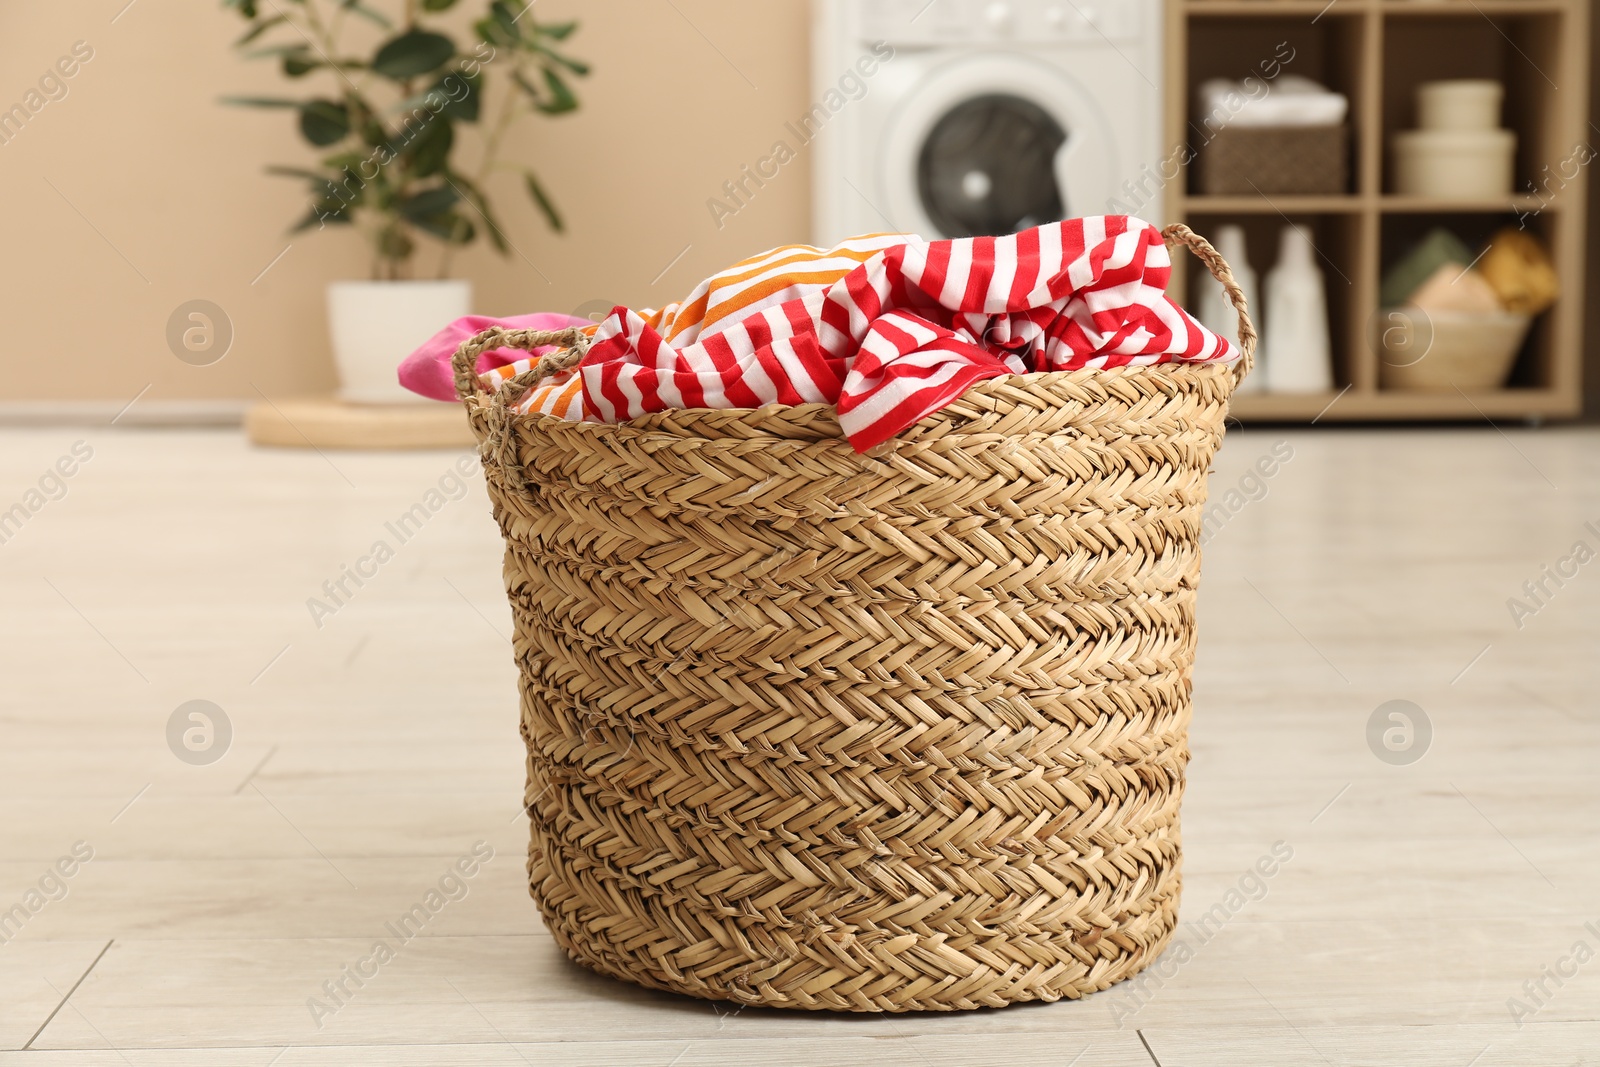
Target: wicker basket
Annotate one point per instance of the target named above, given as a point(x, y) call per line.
point(1276, 160)
point(813, 729)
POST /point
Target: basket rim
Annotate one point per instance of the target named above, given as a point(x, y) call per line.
point(1183, 376)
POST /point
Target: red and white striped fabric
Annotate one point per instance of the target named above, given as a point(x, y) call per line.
point(910, 329)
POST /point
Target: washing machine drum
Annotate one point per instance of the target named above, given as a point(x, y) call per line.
point(996, 145)
point(988, 167)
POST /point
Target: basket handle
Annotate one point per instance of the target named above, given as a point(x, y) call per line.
point(498, 440)
point(572, 343)
point(1178, 233)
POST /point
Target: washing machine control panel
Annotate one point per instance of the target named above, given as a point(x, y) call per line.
point(939, 22)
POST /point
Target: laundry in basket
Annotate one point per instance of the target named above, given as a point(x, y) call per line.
point(812, 728)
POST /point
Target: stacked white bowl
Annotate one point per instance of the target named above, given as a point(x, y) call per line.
point(1459, 151)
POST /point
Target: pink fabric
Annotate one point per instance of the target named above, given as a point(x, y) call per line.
point(427, 370)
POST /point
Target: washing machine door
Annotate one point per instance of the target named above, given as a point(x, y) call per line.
point(993, 144)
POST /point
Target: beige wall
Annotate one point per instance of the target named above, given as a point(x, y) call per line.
point(174, 205)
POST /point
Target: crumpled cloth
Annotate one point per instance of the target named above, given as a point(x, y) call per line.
point(903, 333)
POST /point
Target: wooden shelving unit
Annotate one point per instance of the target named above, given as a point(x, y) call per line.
point(1377, 52)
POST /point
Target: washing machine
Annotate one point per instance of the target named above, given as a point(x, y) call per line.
point(957, 118)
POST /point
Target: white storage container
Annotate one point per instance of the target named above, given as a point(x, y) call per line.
point(1455, 164)
point(1465, 104)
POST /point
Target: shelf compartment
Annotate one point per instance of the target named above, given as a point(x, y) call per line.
point(1337, 239)
point(1327, 50)
point(1534, 368)
point(1520, 49)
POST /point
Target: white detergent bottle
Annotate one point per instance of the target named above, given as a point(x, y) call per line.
point(1217, 313)
point(1297, 319)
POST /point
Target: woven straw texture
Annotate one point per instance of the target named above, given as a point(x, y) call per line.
point(812, 729)
point(1271, 160)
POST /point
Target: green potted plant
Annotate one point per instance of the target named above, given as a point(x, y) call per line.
point(388, 129)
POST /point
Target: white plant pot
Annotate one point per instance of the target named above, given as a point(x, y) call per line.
point(376, 325)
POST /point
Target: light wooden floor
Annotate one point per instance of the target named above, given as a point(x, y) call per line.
point(368, 754)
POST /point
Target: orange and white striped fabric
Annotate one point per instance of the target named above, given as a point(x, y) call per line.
point(752, 285)
point(889, 328)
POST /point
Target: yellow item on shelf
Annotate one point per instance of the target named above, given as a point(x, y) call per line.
point(1519, 268)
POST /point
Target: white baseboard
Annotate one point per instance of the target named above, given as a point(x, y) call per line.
point(120, 413)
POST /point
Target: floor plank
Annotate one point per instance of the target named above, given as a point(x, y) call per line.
point(35, 978)
point(910, 1050)
point(1285, 1045)
point(477, 989)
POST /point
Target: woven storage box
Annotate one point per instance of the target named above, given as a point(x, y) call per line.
point(1270, 160)
point(813, 729)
